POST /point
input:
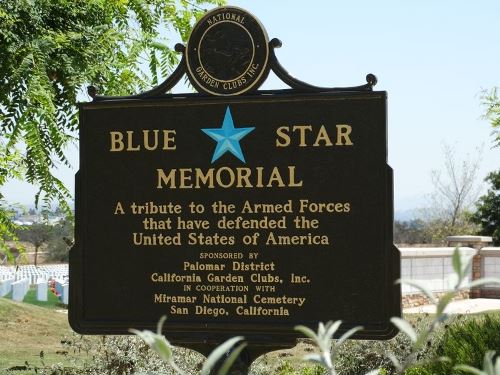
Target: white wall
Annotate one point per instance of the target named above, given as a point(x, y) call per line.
point(432, 267)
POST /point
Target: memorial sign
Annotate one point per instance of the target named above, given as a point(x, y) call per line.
point(234, 215)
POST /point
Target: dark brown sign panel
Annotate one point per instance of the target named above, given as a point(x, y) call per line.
point(244, 215)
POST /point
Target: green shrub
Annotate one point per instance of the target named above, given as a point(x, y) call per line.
point(419, 371)
point(122, 355)
point(313, 370)
point(357, 357)
point(465, 341)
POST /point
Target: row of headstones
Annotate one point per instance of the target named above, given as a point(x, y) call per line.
point(34, 272)
point(19, 289)
point(45, 267)
point(33, 278)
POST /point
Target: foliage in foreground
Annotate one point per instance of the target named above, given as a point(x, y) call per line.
point(466, 342)
point(419, 339)
point(328, 349)
point(127, 355)
point(414, 351)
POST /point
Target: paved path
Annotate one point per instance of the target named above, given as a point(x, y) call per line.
point(466, 306)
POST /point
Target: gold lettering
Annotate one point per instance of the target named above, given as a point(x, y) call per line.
point(204, 179)
point(185, 178)
point(168, 139)
point(292, 182)
point(174, 310)
point(119, 209)
point(244, 175)
point(230, 174)
point(163, 179)
point(147, 146)
point(159, 298)
point(275, 176)
point(343, 132)
point(226, 177)
point(323, 136)
point(282, 132)
point(116, 141)
point(302, 133)
point(130, 141)
point(259, 177)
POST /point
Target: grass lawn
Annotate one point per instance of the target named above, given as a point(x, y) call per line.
point(26, 330)
point(52, 301)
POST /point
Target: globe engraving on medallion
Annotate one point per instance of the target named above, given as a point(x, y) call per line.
point(227, 52)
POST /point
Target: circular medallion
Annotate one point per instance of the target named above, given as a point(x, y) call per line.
point(227, 52)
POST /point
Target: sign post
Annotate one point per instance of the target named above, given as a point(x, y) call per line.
point(234, 211)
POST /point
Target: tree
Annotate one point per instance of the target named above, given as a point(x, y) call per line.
point(61, 241)
point(10, 166)
point(491, 101)
point(37, 234)
point(488, 209)
point(411, 232)
point(455, 192)
point(50, 50)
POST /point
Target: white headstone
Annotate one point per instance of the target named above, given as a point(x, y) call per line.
point(41, 290)
point(65, 294)
point(5, 287)
point(19, 289)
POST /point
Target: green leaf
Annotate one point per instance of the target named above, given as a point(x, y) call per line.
point(231, 359)
point(322, 329)
point(469, 369)
point(405, 327)
point(163, 348)
point(332, 328)
point(457, 263)
point(488, 366)
point(348, 334)
point(218, 353)
point(155, 341)
point(308, 332)
point(483, 281)
point(422, 338)
point(395, 361)
point(420, 287)
point(159, 327)
point(468, 268)
point(443, 359)
point(315, 358)
point(443, 302)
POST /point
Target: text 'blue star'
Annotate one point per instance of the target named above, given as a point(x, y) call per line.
point(227, 137)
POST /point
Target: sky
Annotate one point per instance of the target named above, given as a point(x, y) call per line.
point(433, 57)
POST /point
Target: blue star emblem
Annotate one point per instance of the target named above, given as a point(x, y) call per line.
point(227, 137)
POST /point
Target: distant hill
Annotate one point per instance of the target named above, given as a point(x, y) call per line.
point(405, 215)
